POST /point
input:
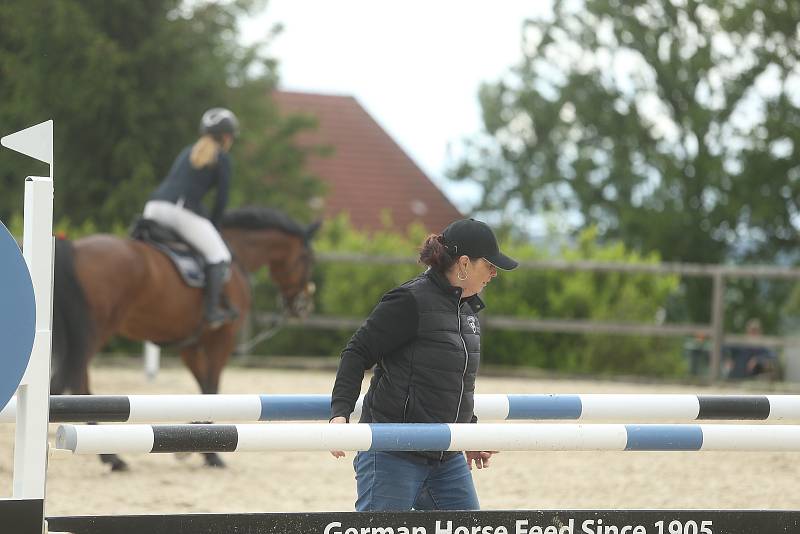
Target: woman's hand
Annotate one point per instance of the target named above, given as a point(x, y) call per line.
point(481, 458)
point(338, 420)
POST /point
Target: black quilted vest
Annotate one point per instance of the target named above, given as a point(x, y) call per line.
point(431, 379)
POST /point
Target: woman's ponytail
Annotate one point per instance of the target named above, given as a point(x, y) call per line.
point(434, 254)
point(204, 152)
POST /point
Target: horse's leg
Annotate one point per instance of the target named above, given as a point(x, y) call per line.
point(82, 388)
point(218, 347)
point(206, 364)
point(195, 359)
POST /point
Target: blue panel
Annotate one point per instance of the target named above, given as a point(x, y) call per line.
point(17, 315)
point(664, 438)
point(544, 407)
point(295, 407)
point(409, 437)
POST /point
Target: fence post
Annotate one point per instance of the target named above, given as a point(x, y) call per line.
point(717, 326)
point(152, 360)
point(245, 335)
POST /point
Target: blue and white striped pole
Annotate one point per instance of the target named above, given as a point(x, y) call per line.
point(497, 407)
point(93, 439)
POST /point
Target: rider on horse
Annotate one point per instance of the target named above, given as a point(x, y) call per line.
point(177, 202)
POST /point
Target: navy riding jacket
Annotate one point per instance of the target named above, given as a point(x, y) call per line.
point(186, 186)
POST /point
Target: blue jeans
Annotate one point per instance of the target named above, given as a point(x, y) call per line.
point(387, 481)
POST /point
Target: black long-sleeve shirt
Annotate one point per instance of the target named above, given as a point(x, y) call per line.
point(187, 185)
point(392, 324)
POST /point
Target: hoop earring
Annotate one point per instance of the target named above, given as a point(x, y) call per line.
point(458, 275)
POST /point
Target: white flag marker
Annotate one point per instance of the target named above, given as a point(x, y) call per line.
point(36, 141)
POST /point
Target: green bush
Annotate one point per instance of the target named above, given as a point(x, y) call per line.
point(612, 297)
point(352, 289)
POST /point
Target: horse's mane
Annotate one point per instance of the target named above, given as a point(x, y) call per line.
point(259, 218)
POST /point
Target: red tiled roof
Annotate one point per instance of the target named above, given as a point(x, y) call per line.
point(367, 173)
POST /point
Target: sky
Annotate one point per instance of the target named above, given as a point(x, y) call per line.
point(414, 65)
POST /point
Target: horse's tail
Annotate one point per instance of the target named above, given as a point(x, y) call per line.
point(72, 324)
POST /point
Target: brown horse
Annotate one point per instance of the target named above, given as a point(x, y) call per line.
point(106, 285)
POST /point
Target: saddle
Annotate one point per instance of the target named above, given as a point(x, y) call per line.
point(187, 260)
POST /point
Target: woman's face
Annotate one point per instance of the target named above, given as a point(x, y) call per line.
point(479, 272)
point(227, 142)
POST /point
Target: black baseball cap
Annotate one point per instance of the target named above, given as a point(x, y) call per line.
point(476, 240)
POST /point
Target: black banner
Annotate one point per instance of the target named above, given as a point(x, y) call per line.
point(21, 516)
point(489, 522)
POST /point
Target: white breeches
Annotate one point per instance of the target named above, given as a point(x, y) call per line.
point(197, 230)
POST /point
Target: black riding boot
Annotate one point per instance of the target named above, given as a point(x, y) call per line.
point(215, 315)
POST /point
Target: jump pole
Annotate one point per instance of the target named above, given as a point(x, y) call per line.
point(295, 437)
point(635, 408)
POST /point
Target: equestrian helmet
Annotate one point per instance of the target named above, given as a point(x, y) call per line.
point(218, 121)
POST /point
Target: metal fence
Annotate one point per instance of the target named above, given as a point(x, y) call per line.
point(714, 330)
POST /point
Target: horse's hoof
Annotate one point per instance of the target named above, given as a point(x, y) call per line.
point(119, 467)
point(215, 461)
point(116, 463)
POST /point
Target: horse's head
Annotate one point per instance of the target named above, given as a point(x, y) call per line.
point(261, 237)
point(292, 274)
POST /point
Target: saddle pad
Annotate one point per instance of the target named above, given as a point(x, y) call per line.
point(188, 261)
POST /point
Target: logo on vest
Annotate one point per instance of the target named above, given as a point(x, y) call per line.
point(472, 324)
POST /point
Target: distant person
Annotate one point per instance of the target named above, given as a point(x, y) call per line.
point(753, 328)
point(178, 202)
point(696, 349)
point(751, 357)
point(423, 339)
point(762, 359)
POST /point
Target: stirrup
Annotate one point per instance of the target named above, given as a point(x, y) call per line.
point(221, 316)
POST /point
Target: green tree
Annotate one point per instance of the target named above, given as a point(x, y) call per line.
point(671, 125)
point(126, 83)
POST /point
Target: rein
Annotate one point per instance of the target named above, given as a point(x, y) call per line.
point(276, 324)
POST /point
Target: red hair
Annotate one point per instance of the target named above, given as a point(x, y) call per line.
point(434, 254)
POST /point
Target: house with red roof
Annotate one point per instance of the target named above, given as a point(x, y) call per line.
point(367, 174)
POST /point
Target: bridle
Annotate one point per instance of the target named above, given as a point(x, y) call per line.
point(303, 291)
point(297, 305)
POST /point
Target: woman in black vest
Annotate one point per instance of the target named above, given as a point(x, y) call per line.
point(423, 338)
point(177, 203)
